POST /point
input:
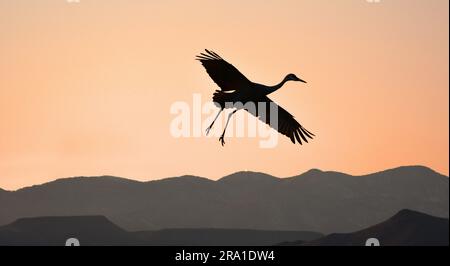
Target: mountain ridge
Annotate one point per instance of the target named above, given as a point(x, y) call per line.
point(99, 230)
point(407, 227)
point(312, 171)
point(319, 201)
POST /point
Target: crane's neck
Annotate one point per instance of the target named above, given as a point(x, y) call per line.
point(278, 86)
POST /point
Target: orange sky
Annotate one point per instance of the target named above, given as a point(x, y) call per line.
point(86, 88)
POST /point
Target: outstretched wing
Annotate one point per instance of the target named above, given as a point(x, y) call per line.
point(224, 74)
point(287, 125)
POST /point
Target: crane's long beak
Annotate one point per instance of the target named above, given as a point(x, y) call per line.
point(301, 80)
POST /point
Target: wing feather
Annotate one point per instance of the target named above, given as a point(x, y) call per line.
point(287, 125)
point(224, 74)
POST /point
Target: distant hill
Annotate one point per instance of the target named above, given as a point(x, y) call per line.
point(406, 228)
point(98, 230)
point(326, 202)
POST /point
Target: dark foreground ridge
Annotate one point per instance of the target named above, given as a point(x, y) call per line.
point(316, 201)
point(98, 230)
point(406, 228)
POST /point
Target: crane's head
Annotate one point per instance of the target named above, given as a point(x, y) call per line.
point(294, 78)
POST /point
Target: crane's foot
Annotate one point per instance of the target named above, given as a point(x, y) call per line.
point(222, 140)
point(207, 130)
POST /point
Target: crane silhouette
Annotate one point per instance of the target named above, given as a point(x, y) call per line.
point(236, 88)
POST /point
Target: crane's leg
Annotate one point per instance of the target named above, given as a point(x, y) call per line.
point(221, 139)
point(210, 126)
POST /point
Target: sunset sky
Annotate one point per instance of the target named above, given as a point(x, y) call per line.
point(86, 88)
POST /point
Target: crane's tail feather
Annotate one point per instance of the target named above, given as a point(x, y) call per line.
point(220, 98)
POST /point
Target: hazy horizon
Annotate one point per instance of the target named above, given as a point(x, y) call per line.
point(86, 88)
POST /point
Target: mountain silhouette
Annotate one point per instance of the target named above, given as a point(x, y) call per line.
point(318, 201)
point(406, 228)
point(92, 230)
point(98, 230)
